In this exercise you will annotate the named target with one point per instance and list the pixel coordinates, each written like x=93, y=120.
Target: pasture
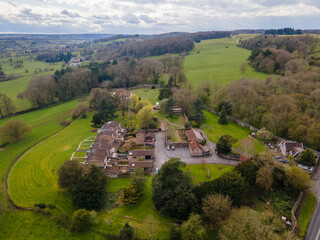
x=33, y=179
x=218, y=60
x=12, y=87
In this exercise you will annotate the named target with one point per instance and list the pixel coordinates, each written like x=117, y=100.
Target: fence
x=294, y=221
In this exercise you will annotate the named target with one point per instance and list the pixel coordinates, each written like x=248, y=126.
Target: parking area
x=162, y=155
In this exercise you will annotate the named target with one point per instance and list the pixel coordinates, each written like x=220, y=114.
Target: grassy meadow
x=219, y=61
x=215, y=130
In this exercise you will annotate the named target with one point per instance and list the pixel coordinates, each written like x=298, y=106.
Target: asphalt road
x=314, y=227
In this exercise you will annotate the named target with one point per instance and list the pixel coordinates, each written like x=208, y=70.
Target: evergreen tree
x=196, y=113
x=170, y=81
x=169, y=106
x=224, y=144
x=307, y=158
x=172, y=190
x=223, y=117
x=127, y=232
x=89, y=193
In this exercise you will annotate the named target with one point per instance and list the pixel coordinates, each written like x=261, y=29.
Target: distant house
x=290, y=148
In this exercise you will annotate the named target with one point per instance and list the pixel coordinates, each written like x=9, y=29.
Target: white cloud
x=154, y=16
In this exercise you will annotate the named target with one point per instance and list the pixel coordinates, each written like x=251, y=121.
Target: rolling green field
x=13, y=87
x=199, y=172
x=215, y=130
x=33, y=179
x=305, y=214
x=218, y=63
x=28, y=64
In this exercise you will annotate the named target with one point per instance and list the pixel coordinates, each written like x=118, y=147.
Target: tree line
x=283, y=31
x=52, y=57
x=69, y=83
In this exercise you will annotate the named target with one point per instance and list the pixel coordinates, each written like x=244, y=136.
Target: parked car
x=173, y=148
x=168, y=148
x=283, y=161
x=277, y=157
x=157, y=170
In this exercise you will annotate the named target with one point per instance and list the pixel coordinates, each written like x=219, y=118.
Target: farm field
x=199, y=172
x=219, y=61
x=215, y=130
x=12, y=87
x=33, y=179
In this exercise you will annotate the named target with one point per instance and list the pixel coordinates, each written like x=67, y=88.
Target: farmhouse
x=196, y=149
x=290, y=148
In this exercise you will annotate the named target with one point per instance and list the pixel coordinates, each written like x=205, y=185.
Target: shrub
x=80, y=221
x=127, y=232
x=40, y=205
x=63, y=220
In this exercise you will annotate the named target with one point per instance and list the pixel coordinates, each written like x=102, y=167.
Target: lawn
x=33, y=179
x=219, y=61
x=176, y=119
x=305, y=214
x=147, y=94
x=215, y=130
x=115, y=184
x=199, y=172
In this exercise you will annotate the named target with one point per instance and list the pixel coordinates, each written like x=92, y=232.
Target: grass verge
x=305, y=214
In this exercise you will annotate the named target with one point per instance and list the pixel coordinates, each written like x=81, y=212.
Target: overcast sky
x=155, y=16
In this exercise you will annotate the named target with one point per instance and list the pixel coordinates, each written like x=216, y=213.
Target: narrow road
x=314, y=227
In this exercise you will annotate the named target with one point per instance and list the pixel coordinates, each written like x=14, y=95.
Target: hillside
x=218, y=60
